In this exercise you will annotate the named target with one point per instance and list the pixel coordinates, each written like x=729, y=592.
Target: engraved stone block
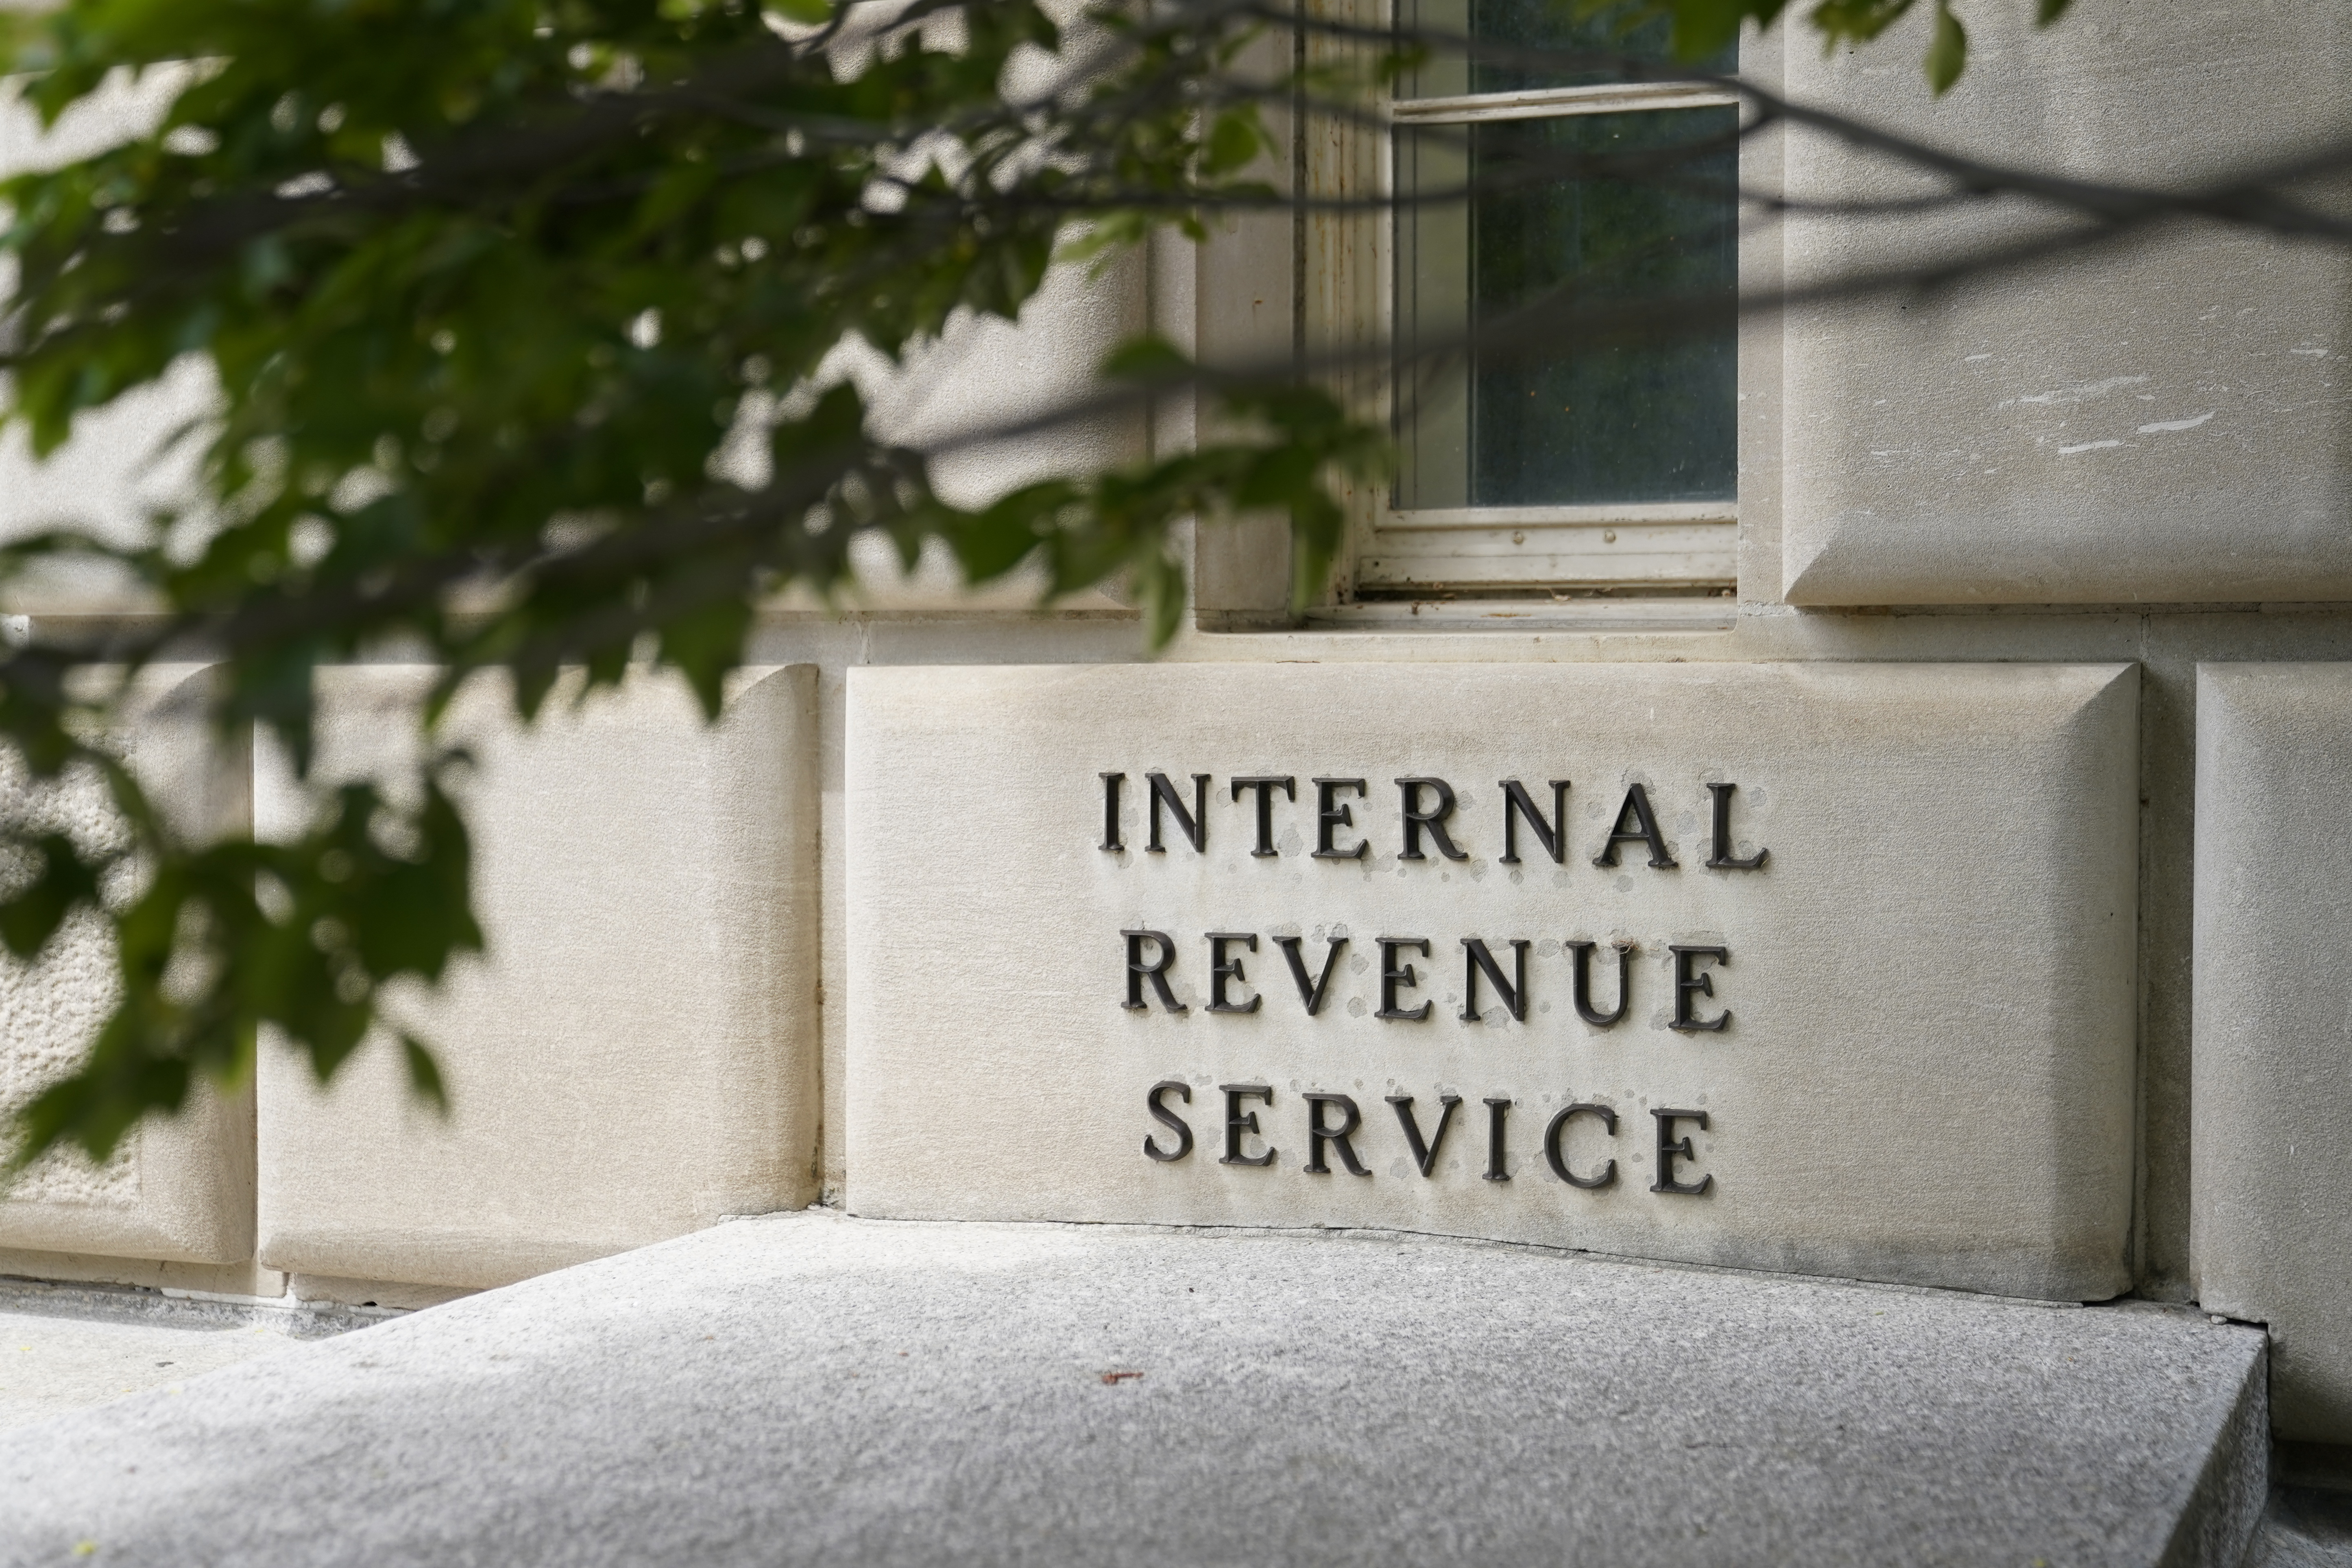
x=2270, y=1117
x=181, y=1187
x=635, y=1056
x=1874, y=927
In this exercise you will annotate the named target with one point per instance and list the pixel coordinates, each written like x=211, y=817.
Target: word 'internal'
x=1426, y=816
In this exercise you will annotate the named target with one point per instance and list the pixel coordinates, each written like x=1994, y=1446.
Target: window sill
x=1582, y=614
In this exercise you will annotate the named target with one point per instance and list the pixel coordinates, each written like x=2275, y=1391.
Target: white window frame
x=1629, y=551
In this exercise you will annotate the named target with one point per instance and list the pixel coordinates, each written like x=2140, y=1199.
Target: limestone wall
x=2037, y=995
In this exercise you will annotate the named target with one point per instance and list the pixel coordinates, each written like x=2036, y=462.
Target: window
x=1537, y=456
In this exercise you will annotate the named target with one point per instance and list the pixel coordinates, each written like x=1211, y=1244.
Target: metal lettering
x=1671, y=1149
x=1311, y=992
x=1240, y=1123
x=1644, y=830
x=1425, y=1155
x=1110, y=811
x=1431, y=820
x=1137, y=971
x=1169, y=1119
x=1194, y=824
x=1514, y=991
x=1690, y=986
x=1265, y=786
x=1330, y=816
x=1720, y=860
x=1497, y=1109
x=1582, y=988
x=1223, y=969
x=1558, y=1162
x=1318, y=1135
x=1394, y=979
x=1552, y=834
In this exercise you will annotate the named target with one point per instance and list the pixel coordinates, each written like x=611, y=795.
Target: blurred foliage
x=518, y=309
x=521, y=315
x=1702, y=27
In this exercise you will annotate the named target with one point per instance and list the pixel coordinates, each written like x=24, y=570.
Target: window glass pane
x=1531, y=419
x=1551, y=25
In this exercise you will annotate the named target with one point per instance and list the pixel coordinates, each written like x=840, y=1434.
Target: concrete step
x=808, y=1388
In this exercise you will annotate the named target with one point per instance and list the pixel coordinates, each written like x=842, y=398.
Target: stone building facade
x=1914, y=864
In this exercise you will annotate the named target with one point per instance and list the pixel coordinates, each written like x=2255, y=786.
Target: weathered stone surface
x=635, y=1056
x=2168, y=419
x=809, y=1389
x=2271, y=1132
x=1927, y=1072
x=180, y=1187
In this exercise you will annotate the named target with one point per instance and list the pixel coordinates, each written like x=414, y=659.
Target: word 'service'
x=1325, y=1138
x=1425, y=821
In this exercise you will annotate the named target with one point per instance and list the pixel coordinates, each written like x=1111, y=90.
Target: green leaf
x=1146, y=359
x=1855, y=21
x=1947, y=56
x=1702, y=27
x=1234, y=141
x=1315, y=525
x=31, y=918
x=1159, y=585
x=2047, y=12
x=424, y=1074
x=1100, y=240
x=505, y=410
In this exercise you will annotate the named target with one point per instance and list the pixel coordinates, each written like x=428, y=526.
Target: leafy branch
x=522, y=315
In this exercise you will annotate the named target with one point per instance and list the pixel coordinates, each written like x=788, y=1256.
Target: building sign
x=1425, y=820
x=1825, y=968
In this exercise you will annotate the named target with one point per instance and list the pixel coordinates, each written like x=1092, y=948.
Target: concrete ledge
x=807, y=1388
